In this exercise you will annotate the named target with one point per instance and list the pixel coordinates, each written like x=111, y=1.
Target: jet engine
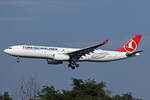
x=51, y=61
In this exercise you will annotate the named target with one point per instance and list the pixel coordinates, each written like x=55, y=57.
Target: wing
x=82, y=52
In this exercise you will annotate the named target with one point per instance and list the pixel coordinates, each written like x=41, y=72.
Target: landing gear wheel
x=18, y=59
x=73, y=67
x=73, y=64
x=77, y=65
x=69, y=65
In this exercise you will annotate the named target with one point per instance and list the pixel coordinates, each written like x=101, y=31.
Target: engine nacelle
x=62, y=57
x=51, y=61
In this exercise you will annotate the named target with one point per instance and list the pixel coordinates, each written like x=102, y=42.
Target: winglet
x=105, y=41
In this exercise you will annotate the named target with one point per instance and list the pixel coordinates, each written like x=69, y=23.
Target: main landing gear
x=73, y=64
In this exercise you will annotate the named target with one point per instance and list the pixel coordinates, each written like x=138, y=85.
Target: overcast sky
x=76, y=23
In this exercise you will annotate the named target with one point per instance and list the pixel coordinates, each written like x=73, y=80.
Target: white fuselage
x=56, y=53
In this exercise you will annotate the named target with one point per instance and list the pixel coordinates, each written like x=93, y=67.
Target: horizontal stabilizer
x=133, y=53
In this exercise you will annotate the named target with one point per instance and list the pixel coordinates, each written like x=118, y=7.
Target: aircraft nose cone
x=6, y=51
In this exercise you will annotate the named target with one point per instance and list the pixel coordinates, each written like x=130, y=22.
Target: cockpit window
x=9, y=48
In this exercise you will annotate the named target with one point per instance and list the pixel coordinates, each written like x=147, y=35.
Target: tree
x=28, y=89
x=49, y=93
x=83, y=90
x=126, y=96
x=89, y=88
x=5, y=96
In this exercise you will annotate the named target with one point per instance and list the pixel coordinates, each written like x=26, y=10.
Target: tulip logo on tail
x=130, y=46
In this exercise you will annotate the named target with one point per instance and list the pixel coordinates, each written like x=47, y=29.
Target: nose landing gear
x=18, y=59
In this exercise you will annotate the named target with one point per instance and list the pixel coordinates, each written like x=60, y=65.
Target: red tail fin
x=131, y=45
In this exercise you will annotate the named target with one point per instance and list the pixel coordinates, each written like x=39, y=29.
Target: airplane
x=57, y=55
